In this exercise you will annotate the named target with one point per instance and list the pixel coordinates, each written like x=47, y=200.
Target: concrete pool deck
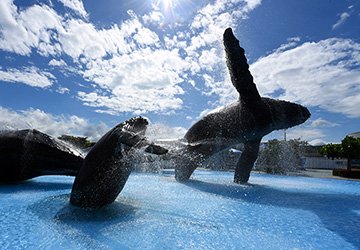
x=319, y=173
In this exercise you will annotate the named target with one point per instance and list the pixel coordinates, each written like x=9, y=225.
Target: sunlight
x=167, y=5
x=174, y=10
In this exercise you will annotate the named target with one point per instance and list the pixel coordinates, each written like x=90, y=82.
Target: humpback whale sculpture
x=245, y=121
x=100, y=176
x=25, y=154
x=108, y=164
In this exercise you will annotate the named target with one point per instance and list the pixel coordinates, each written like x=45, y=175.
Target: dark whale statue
x=109, y=163
x=245, y=121
x=25, y=154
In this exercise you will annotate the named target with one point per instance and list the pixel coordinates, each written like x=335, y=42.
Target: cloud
x=33, y=27
x=50, y=124
x=62, y=90
x=161, y=131
x=318, y=142
x=134, y=68
x=154, y=17
x=305, y=133
x=57, y=63
x=30, y=76
x=76, y=5
x=343, y=17
x=320, y=122
x=291, y=43
x=143, y=81
x=205, y=48
x=324, y=74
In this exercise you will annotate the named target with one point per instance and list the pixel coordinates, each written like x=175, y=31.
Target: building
x=355, y=135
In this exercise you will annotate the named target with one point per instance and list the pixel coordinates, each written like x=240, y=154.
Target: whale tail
x=238, y=67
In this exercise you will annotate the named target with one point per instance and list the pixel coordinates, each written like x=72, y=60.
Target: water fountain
x=208, y=211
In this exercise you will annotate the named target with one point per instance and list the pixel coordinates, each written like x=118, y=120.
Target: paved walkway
x=319, y=173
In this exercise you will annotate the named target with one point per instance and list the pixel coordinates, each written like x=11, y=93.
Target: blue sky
x=80, y=67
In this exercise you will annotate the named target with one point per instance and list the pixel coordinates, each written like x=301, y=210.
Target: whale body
x=28, y=153
x=109, y=163
x=245, y=121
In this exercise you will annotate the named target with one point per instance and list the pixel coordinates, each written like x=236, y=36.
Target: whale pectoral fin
x=246, y=161
x=132, y=139
x=156, y=149
x=238, y=67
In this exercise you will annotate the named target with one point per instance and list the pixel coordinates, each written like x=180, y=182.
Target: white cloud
x=209, y=59
x=76, y=5
x=291, y=43
x=304, y=132
x=317, y=142
x=82, y=39
x=342, y=19
x=7, y=13
x=324, y=74
x=134, y=71
x=50, y=124
x=161, y=131
x=154, y=17
x=252, y=4
x=146, y=37
x=145, y=80
x=31, y=76
x=320, y=122
x=57, y=63
x=33, y=27
x=205, y=49
x=62, y=90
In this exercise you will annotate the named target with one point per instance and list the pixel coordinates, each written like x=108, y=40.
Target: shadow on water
x=84, y=227
x=32, y=185
x=336, y=211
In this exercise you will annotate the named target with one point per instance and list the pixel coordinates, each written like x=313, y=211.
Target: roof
x=355, y=134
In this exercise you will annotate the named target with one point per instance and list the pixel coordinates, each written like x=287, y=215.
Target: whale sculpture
x=109, y=163
x=25, y=154
x=100, y=176
x=245, y=121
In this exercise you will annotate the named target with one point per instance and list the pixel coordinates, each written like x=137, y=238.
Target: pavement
x=319, y=173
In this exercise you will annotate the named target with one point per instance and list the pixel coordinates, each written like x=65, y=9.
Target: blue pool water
x=208, y=212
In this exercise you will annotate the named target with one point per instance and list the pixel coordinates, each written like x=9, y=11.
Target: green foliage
x=80, y=142
x=349, y=148
x=332, y=151
x=280, y=157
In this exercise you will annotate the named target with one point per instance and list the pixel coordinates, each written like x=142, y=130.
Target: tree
x=332, y=151
x=349, y=149
x=280, y=157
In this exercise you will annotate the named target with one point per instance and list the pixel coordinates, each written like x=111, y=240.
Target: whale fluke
x=238, y=67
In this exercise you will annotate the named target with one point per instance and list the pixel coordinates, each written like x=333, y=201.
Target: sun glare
x=167, y=5
x=169, y=2
x=174, y=10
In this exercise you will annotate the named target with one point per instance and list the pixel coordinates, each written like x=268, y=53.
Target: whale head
x=286, y=114
x=136, y=125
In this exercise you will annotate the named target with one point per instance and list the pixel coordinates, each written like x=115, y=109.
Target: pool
x=207, y=212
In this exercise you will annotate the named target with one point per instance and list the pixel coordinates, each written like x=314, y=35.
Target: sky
x=81, y=67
